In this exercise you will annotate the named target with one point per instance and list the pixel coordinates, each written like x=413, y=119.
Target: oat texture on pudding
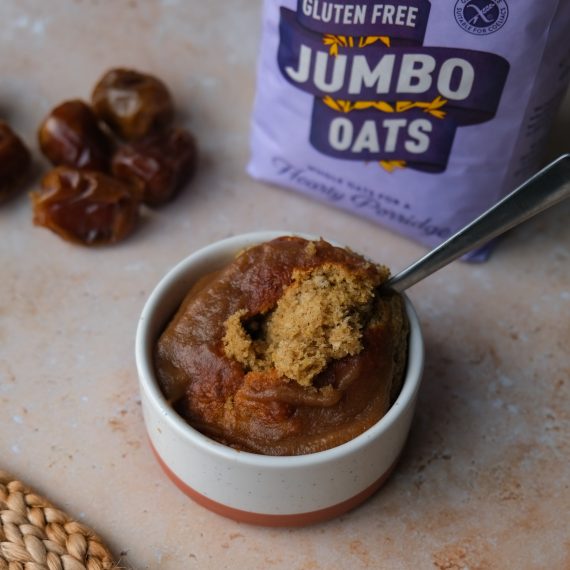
x=290, y=349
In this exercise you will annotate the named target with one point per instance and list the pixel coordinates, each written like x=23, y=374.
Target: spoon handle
x=546, y=188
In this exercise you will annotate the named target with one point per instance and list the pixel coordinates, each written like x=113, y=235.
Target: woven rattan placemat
x=36, y=535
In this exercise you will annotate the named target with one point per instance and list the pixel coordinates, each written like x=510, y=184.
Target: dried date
x=133, y=104
x=85, y=207
x=15, y=162
x=70, y=136
x=158, y=167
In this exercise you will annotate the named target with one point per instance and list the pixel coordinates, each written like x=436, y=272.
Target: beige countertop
x=484, y=480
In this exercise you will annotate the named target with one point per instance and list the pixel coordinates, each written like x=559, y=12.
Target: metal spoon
x=546, y=188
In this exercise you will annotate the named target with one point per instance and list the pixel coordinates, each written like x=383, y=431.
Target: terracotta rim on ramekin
x=300, y=519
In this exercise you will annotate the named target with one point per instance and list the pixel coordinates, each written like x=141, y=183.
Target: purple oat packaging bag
x=416, y=114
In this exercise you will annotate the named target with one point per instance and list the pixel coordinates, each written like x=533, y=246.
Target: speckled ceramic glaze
x=256, y=488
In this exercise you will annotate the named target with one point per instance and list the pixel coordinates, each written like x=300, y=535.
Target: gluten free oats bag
x=416, y=114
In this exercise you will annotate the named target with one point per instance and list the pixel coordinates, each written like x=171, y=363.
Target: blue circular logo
x=481, y=17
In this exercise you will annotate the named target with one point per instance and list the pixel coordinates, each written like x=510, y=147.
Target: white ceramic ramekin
x=259, y=489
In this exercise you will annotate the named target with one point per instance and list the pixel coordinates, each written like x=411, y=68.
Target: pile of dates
x=110, y=157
